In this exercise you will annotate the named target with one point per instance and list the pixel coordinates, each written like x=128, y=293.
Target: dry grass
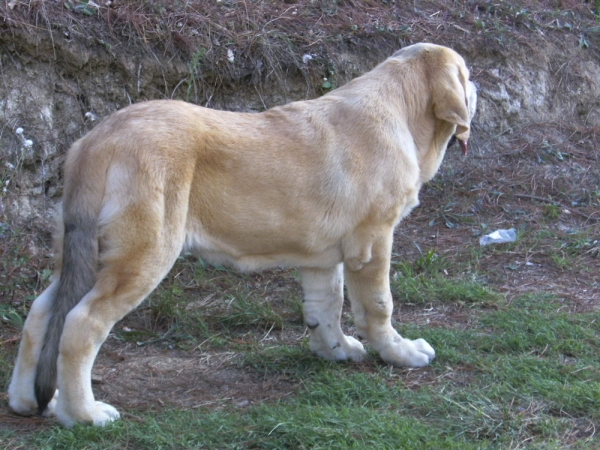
x=270, y=38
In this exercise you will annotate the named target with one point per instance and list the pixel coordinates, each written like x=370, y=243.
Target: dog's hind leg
x=367, y=268
x=323, y=299
x=139, y=250
x=21, y=396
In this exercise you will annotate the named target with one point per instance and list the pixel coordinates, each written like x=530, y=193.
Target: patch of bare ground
x=149, y=378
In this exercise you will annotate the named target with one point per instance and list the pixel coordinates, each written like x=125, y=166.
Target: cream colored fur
x=319, y=185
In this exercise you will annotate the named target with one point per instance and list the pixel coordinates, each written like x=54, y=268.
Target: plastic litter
x=499, y=237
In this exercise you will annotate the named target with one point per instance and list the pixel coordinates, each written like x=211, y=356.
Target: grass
x=524, y=374
x=425, y=280
x=512, y=397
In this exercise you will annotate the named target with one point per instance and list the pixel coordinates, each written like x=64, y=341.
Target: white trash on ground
x=499, y=237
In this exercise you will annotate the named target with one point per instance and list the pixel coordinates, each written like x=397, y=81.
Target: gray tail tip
x=43, y=397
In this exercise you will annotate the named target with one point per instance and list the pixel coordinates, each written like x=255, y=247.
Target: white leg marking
x=82, y=337
x=394, y=349
x=21, y=396
x=371, y=299
x=323, y=299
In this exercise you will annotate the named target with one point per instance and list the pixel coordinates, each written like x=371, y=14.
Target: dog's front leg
x=323, y=299
x=367, y=268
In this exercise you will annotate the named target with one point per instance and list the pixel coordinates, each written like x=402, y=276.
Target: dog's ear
x=450, y=101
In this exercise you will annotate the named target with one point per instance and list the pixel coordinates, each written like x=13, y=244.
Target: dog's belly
x=217, y=252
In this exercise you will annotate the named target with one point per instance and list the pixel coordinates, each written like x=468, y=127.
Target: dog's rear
x=76, y=257
x=122, y=227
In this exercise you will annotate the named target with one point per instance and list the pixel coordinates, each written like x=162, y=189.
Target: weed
x=10, y=316
x=561, y=262
x=194, y=67
x=552, y=211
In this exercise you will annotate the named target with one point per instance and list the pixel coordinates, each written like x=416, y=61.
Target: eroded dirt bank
x=64, y=68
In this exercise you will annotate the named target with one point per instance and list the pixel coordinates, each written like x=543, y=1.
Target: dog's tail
x=77, y=260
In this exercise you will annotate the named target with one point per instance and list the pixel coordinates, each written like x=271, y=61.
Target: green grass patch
x=524, y=374
x=208, y=303
x=527, y=372
x=425, y=280
x=292, y=425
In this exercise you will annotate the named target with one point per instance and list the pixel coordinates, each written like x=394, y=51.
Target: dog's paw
x=351, y=349
x=105, y=414
x=406, y=353
x=22, y=401
x=342, y=349
x=100, y=415
x=23, y=406
x=26, y=405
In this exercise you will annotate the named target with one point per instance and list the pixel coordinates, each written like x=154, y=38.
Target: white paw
x=22, y=406
x=26, y=404
x=341, y=350
x=100, y=415
x=105, y=414
x=352, y=349
x=406, y=353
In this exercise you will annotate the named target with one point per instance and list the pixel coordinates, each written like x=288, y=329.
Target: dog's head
x=453, y=96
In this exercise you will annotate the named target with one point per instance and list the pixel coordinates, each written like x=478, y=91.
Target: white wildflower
x=306, y=58
x=19, y=130
x=90, y=116
x=28, y=143
x=230, y=56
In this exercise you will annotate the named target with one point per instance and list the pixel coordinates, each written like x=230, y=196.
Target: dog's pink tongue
x=464, y=146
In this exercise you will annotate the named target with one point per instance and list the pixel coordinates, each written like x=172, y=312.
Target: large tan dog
x=318, y=184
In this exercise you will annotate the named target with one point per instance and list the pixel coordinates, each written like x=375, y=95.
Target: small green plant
x=552, y=211
x=429, y=262
x=194, y=67
x=10, y=316
x=85, y=7
x=166, y=305
x=561, y=262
